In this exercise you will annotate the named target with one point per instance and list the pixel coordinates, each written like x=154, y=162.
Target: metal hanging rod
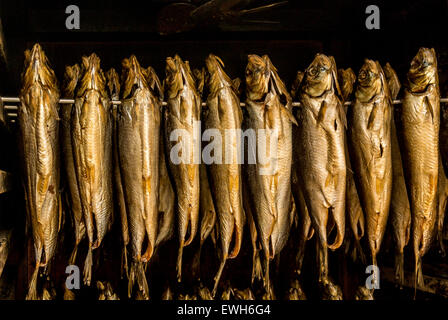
x=117, y=102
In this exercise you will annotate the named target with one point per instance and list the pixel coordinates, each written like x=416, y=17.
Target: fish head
x=177, y=75
x=370, y=81
x=216, y=77
x=423, y=70
x=113, y=84
x=92, y=76
x=37, y=69
x=71, y=77
x=133, y=77
x=257, y=77
x=320, y=76
x=154, y=82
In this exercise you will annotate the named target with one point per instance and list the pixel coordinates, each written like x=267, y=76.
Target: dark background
x=116, y=29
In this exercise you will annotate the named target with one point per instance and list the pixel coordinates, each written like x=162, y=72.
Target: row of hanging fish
x=333, y=166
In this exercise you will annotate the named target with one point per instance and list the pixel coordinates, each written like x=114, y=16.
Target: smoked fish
x=269, y=120
x=71, y=77
x=91, y=129
x=224, y=116
x=113, y=88
x=138, y=152
x=370, y=146
x=39, y=132
x=420, y=121
x=400, y=211
x=183, y=142
x=355, y=213
x=321, y=158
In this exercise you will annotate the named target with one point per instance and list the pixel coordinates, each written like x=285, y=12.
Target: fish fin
x=372, y=116
x=322, y=112
x=290, y=116
x=72, y=259
x=237, y=242
x=32, y=291
x=334, y=75
x=124, y=262
x=179, y=261
x=218, y=275
x=342, y=114
x=88, y=266
x=429, y=107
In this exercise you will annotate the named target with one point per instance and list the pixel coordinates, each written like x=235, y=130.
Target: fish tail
x=267, y=282
x=73, y=255
x=32, y=290
x=137, y=274
x=337, y=212
x=218, y=274
x=257, y=272
x=237, y=243
x=124, y=263
x=179, y=261
x=399, y=267
x=141, y=280
x=193, y=229
x=88, y=266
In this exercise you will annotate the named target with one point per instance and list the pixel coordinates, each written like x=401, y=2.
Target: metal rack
x=11, y=104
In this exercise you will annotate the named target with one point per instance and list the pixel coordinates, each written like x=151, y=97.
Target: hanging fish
x=268, y=106
x=420, y=120
x=182, y=116
x=91, y=130
x=138, y=152
x=113, y=88
x=39, y=132
x=370, y=144
x=321, y=157
x=225, y=117
x=400, y=211
x=347, y=79
x=71, y=77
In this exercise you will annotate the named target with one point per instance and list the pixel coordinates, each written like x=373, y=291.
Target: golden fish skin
x=166, y=200
x=370, y=143
x=400, y=211
x=138, y=151
x=207, y=214
x=442, y=201
x=166, y=192
x=39, y=131
x=420, y=120
x=224, y=114
x=113, y=88
x=347, y=79
x=183, y=112
x=71, y=77
x=444, y=137
x=91, y=128
x=321, y=157
x=268, y=106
